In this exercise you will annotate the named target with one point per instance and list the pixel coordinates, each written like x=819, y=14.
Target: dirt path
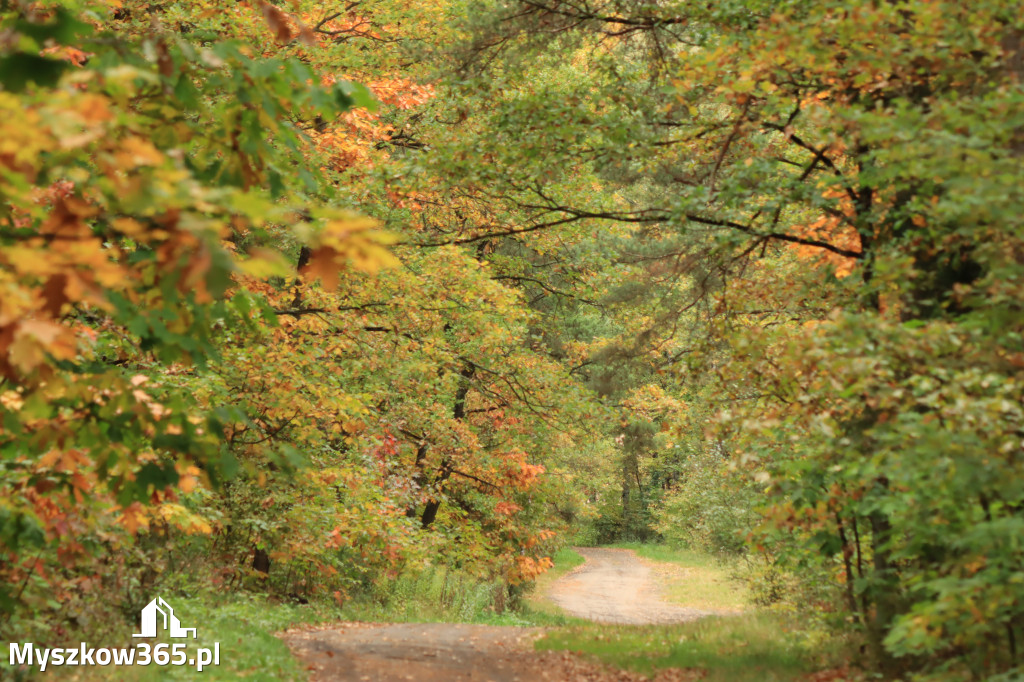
x=431, y=652
x=613, y=586
x=443, y=652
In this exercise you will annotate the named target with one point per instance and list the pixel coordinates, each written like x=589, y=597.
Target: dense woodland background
x=302, y=298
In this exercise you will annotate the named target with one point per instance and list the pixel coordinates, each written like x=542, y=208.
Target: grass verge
x=755, y=647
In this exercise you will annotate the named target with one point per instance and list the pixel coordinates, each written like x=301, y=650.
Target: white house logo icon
x=170, y=621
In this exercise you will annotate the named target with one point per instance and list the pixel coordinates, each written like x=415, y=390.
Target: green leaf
x=64, y=29
x=20, y=69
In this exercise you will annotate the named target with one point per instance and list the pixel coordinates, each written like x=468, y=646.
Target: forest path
x=439, y=652
x=613, y=586
x=431, y=652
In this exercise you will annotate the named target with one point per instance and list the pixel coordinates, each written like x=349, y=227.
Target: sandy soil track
x=614, y=586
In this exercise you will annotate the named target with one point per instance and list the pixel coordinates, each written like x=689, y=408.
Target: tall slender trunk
x=885, y=588
x=419, y=477
x=458, y=413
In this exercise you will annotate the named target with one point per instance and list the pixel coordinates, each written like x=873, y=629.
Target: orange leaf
x=278, y=22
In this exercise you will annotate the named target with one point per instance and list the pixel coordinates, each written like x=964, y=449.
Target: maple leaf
x=134, y=518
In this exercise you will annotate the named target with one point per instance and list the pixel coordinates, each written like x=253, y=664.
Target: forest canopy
x=300, y=297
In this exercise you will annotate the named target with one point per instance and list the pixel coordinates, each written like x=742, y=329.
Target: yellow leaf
x=263, y=263
x=34, y=338
x=136, y=151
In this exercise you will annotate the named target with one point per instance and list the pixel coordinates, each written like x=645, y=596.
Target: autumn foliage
x=200, y=374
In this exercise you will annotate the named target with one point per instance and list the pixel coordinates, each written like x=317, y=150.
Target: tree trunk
x=261, y=561
x=419, y=477
x=458, y=413
x=885, y=591
x=430, y=513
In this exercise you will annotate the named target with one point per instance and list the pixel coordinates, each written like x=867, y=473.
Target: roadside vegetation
x=754, y=647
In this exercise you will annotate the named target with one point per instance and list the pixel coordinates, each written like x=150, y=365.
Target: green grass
x=434, y=594
x=695, y=579
x=535, y=610
x=759, y=647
